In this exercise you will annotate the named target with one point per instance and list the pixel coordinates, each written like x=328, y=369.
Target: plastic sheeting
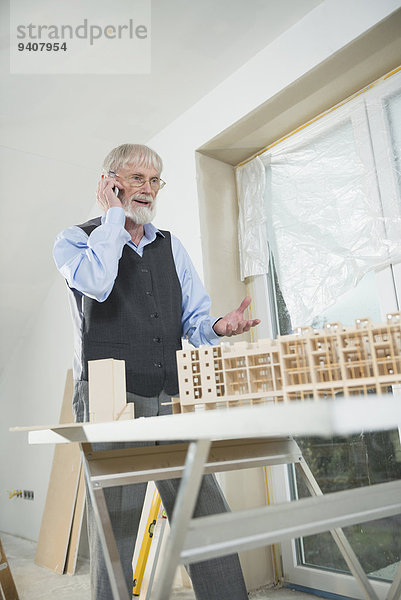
x=252, y=232
x=316, y=199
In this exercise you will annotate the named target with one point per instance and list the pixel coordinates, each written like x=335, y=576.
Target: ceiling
x=195, y=45
x=76, y=119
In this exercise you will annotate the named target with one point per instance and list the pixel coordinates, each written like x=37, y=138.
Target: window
x=320, y=212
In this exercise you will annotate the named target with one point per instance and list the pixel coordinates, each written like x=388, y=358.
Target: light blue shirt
x=90, y=266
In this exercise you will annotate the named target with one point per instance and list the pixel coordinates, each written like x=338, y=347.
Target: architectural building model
x=308, y=364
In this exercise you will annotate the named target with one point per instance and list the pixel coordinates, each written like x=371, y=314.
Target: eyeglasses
x=137, y=181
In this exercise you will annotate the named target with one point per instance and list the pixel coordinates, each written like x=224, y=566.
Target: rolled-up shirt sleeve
x=90, y=263
x=197, y=324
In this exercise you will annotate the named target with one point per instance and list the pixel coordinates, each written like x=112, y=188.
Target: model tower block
x=310, y=363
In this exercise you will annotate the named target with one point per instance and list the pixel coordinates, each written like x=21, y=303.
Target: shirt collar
x=151, y=231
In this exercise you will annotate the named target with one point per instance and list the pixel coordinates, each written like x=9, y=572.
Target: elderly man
x=134, y=294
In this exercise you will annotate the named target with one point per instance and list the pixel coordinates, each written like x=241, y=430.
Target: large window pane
x=345, y=463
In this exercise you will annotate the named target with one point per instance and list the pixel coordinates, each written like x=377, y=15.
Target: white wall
x=32, y=389
x=32, y=384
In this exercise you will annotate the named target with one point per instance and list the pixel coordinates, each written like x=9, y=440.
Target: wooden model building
x=308, y=364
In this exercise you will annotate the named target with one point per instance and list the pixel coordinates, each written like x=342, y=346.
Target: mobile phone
x=116, y=190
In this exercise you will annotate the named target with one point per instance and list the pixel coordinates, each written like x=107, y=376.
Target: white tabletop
x=341, y=416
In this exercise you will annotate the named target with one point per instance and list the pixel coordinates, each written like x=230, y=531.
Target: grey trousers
x=217, y=579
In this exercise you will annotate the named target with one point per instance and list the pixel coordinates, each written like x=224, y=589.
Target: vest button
x=157, y=340
x=148, y=293
x=158, y=364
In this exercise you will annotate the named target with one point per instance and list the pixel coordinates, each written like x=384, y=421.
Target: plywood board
x=73, y=546
x=7, y=585
x=62, y=519
x=55, y=530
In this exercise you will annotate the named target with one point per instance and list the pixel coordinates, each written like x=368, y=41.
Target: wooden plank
x=131, y=465
x=55, y=530
x=72, y=552
x=7, y=585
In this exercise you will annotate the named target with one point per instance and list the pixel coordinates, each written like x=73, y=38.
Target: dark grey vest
x=140, y=322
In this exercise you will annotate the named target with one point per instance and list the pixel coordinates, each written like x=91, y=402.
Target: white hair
x=140, y=155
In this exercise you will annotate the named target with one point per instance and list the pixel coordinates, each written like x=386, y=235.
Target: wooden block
x=7, y=585
x=54, y=535
x=127, y=413
x=176, y=406
x=107, y=389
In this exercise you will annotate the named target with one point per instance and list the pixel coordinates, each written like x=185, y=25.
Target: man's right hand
x=105, y=195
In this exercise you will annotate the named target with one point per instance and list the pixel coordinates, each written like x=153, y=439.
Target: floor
x=38, y=583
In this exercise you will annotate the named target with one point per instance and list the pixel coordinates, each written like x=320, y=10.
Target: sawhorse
x=194, y=540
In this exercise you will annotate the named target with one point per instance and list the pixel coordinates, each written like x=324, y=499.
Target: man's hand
x=234, y=323
x=105, y=195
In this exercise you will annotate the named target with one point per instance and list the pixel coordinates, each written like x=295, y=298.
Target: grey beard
x=140, y=214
